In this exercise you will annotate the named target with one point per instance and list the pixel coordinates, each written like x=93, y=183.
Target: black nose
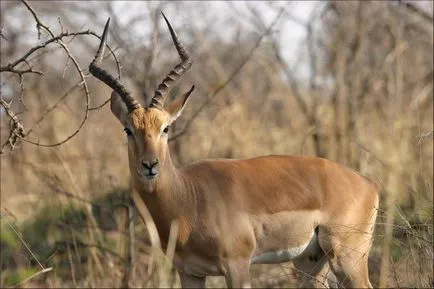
x=149, y=165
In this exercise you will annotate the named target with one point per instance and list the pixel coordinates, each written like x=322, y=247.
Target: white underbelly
x=287, y=254
x=279, y=256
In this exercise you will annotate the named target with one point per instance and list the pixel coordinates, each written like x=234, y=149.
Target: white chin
x=150, y=178
x=146, y=178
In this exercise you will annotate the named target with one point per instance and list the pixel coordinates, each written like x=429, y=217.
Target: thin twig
x=24, y=243
x=33, y=276
x=214, y=93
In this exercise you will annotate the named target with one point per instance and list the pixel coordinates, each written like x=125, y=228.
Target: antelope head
x=147, y=128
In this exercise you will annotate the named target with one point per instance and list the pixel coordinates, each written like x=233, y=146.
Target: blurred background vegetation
x=357, y=89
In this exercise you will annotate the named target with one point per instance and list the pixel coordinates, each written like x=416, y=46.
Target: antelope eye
x=166, y=129
x=128, y=131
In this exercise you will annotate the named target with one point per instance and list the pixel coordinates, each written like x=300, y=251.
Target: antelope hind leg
x=314, y=274
x=237, y=274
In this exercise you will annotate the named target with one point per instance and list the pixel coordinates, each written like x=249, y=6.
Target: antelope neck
x=170, y=196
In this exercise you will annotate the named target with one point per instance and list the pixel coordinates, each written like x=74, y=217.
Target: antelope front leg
x=237, y=274
x=190, y=281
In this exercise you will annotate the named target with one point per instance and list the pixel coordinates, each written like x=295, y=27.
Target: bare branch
x=57, y=38
x=16, y=127
x=19, y=71
x=39, y=23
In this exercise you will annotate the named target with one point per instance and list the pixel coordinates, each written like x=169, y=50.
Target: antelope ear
x=118, y=107
x=175, y=107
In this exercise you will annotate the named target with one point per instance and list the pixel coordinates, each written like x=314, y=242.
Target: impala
x=234, y=213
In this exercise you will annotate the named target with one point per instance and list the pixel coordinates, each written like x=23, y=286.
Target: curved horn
x=176, y=73
x=107, y=78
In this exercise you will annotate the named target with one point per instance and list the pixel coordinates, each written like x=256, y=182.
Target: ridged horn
x=104, y=76
x=175, y=74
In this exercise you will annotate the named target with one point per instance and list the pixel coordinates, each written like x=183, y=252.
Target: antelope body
x=234, y=213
